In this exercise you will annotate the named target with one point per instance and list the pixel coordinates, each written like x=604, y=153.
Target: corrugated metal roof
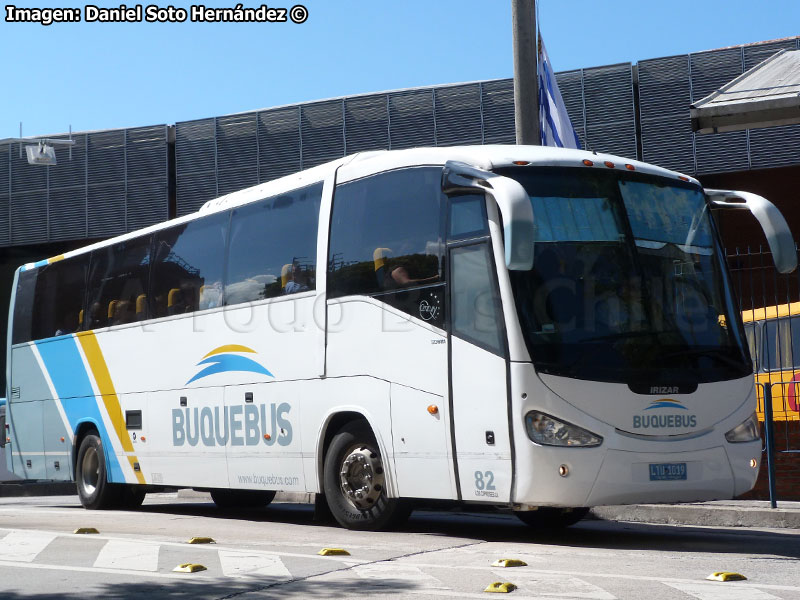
x=765, y=96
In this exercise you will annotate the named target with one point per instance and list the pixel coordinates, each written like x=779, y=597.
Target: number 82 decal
x=484, y=480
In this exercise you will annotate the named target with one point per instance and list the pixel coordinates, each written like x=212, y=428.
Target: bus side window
x=476, y=314
x=778, y=345
x=273, y=246
x=386, y=233
x=188, y=259
x=23, y=307
x=117, y=277
x=60, y=289
x=795, y=341
x=751, y=331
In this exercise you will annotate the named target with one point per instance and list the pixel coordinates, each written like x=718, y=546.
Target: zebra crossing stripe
x=384, y=571
x=243, y=564
x=24, y=546
x=131, y=555
x=722, y=591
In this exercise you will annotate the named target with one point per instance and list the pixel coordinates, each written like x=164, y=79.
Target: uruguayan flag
x=554, y=124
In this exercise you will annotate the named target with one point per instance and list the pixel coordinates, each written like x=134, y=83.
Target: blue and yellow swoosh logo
x=666, y=403
x=229, y=358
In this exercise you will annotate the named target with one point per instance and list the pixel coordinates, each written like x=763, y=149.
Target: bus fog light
x=753, y=463
x=746, y=431
x=549, y=431
x=563, y=470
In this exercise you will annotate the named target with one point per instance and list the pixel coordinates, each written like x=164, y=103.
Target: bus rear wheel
x=547, y=518
x=242, y=498
x=94, y=490
x=354, y=482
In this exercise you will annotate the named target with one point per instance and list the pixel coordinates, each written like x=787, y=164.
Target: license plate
x=668, y=472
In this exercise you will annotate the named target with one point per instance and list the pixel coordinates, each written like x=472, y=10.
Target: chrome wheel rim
x=361, y=477
x=90, y=471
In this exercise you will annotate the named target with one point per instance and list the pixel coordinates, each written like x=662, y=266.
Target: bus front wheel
x=354, y=482
x=94, y=490
x=549, y=518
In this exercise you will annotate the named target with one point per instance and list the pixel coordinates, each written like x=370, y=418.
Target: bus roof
x=354, y=166
x=771, y=312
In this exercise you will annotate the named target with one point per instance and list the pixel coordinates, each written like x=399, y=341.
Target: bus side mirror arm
x=777, y=231
x=512, y=201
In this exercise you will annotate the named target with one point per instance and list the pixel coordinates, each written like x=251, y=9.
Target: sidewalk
x=718, y=513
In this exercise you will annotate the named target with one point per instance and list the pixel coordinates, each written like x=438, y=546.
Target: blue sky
x=101, y=75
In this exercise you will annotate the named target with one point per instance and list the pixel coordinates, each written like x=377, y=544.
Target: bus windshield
x=628, y=283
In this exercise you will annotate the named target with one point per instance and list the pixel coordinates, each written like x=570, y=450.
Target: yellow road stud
x=509, y=562
x=333, y=552
x=86, y=530
x=189, y=568
x=726, y=576
x=500, y=588
x=201, y=540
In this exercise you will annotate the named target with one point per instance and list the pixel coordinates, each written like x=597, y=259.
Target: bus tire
x=94, y=490
x=549, y=518
x=131, y=496
x=354, y=482
x=242, y=498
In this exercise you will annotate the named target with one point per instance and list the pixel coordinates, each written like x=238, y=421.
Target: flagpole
x=526, y=89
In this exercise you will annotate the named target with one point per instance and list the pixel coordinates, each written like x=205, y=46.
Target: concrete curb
x=703, y=515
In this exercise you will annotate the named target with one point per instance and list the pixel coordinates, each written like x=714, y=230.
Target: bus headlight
x=549, y=431
x=747, y=431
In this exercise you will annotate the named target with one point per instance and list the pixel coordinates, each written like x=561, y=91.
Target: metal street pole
x=526, y=90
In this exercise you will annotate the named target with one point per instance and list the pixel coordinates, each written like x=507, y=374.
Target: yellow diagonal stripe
x=50, y=261
x=229, y=348
x=99, y=368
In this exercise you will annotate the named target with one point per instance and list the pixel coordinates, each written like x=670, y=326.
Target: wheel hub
x=90, y=471
x=361, y=477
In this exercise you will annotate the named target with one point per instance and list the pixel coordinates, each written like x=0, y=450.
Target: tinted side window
x=188, y=266
x=60, y=290
x=273, y=246
x=386, y=233
x=475, y=299
x=23, y=307
x=118, y=284
x=467, y=217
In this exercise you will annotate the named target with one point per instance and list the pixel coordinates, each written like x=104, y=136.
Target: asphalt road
x=272, y=553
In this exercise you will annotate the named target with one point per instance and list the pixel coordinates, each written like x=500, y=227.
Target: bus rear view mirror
x=776, y=230
x=512, y=201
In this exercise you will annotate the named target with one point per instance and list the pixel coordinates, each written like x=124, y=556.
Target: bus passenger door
x=479, y=380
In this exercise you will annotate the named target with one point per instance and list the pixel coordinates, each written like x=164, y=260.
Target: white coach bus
x=538, y=329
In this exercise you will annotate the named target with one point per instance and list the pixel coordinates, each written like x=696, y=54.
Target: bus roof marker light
x=683, y=178
x=433, y=409
x=630, y=167
x=521, y=163
x=609, y=164
x=587, y=162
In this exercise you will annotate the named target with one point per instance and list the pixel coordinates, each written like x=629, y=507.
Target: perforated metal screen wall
x=116, y=181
